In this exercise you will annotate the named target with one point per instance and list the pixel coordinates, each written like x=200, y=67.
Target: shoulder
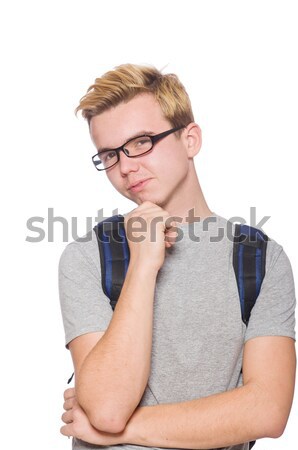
x=278, y=265
x=274, y=249
x=83, y=252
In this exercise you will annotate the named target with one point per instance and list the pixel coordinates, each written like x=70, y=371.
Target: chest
x=197, y=328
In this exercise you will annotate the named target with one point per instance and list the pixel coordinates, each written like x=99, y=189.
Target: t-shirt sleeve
x=84, y=306
x=274, y=311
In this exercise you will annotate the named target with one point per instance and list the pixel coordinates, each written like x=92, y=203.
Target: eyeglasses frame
x=154, y=139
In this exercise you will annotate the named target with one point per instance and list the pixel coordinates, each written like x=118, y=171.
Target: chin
x=142, y=197
x=154, y=197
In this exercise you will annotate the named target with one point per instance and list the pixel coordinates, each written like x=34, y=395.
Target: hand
x=77, y=424
x=150, y=230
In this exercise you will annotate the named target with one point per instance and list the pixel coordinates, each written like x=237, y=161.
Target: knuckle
x=65, y=417
x=68, y=404
x=76, y=413
x=68, y=393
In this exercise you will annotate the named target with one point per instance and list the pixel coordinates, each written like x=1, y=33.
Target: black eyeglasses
x=135, y=147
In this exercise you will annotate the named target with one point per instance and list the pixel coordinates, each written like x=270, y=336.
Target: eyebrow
x=138, y=134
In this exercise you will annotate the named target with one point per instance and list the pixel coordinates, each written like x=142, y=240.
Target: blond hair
x=126, y=81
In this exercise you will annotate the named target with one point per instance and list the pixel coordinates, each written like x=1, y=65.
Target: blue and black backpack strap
x=114, y=255
x=249, y=261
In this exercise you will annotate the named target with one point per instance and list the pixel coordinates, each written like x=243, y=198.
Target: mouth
x=136, y=187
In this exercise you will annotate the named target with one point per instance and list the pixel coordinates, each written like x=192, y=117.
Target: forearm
x=221, y=420
x=114, y=375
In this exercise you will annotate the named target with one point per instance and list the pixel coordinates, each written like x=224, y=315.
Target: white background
x=238, y=61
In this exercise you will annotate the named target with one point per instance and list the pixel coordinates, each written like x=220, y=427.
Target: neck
x=189, y=202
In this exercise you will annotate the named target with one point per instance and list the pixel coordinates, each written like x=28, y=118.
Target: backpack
x=249, y=261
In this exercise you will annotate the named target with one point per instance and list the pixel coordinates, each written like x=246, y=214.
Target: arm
x=111, y=379
x=108, y=386
x=260, y=408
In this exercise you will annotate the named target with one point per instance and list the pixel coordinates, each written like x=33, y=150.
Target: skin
x=102, y=409
x=107, y=385
x=174, y=185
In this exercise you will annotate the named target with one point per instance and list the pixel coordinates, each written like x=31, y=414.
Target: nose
x=127, y=164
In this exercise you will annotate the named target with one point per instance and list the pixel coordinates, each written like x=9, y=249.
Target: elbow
x=105, y=414
x=106, y=422
x=276, y=422
x=270, y=416
x=107, y=418
x=276, y=427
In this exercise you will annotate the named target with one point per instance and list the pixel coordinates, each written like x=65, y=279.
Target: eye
x=107, y=156
x=142, y=141
x=139, y=144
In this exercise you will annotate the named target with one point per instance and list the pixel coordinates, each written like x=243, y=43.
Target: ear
x=193, y=139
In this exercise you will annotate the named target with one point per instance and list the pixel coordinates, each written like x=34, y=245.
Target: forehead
x=117, y=125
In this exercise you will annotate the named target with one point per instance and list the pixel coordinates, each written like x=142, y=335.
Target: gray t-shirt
x=198, y=334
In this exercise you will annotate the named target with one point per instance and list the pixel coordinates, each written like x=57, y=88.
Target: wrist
x=143, y=267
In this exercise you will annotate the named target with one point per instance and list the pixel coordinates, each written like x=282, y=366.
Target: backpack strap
x=114, y=255
x=249, y=262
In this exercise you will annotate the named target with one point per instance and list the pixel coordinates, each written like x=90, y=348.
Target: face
x=157, y=176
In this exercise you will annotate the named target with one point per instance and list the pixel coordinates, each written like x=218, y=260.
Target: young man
x=174, y=365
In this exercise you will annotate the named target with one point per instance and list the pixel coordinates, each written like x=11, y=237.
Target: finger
x=69, y=403
x=67, y=417
x=171, y=233
x=69, y=393
x=169, y=244
x=141, y=207
x=170, y=240
x=146, y=204
x=66, y=430
x=170, y=222
x=146, y=207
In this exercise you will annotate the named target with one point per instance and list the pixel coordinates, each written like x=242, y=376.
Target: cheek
x=114, y=180
x=174, y=163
